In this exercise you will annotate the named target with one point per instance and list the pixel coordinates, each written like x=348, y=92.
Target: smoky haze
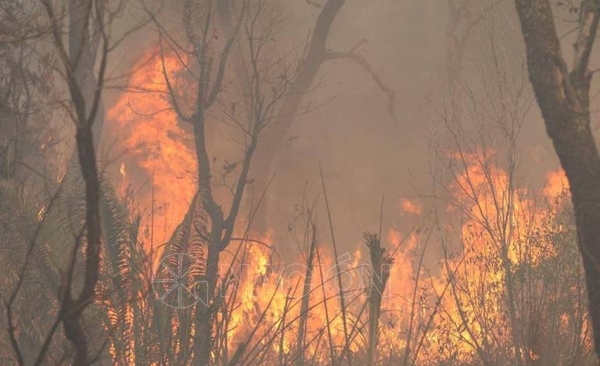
x=365, y=152
x=191, y=205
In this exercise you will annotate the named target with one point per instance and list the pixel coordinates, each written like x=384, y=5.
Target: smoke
x=366, y=155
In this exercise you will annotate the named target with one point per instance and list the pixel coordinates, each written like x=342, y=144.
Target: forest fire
x=503, y=237
x=455, y=312
x=210, y=205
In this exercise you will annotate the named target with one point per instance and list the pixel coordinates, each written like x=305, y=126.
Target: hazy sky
x=363, y=151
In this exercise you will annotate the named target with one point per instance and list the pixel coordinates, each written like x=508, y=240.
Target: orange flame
x=157, y=153
x=496, y=232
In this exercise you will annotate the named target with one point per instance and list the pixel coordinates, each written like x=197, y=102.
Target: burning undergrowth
x=503, y=289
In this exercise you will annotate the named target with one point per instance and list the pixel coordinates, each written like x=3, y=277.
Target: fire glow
x=453, y=311
x=158, y=161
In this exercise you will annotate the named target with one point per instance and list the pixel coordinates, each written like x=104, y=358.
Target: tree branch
x=588, y=27
x=362, y=62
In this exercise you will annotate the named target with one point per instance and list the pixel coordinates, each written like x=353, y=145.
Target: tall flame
x=460, y=307
x=153, y=147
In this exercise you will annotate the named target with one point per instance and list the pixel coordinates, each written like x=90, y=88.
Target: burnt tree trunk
x=78, y=60
x=563, y=97
x=83, y=88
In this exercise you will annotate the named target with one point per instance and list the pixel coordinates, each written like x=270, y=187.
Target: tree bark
x=563, y=98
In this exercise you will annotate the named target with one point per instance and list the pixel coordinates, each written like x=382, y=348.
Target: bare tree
x=563, y=97
x=75, y=62
x=502, y=229
x=268, y=80
x=310, y=62
x=78, y=59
